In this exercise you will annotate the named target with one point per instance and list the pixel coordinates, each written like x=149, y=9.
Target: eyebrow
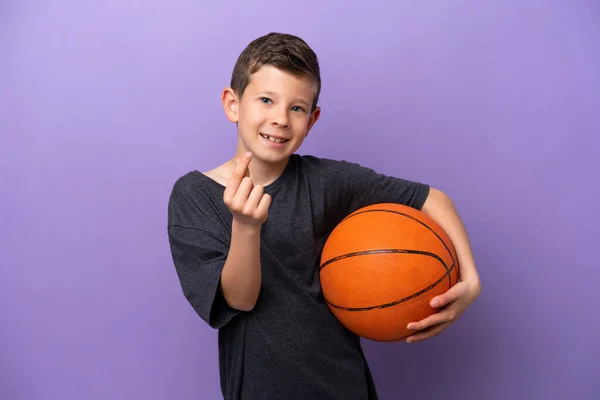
x=297, y=100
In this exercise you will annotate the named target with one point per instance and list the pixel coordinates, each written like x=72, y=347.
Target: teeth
x=272, y=139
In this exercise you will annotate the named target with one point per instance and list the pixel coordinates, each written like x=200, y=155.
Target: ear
x=314, y=116
x=230, y=104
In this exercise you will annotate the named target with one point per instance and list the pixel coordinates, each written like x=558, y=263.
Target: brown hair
x=281, y=50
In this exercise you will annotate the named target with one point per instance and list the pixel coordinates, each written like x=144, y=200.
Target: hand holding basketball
x=247, y=202
x=452, y=305
x=382, y=266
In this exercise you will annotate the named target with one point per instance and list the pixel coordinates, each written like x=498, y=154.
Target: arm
x=457, y=299
x=241, y=276
x=441, y=208
x=249, y=205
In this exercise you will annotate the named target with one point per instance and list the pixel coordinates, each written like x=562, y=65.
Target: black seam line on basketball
x=408, y=216
x=393, y=303
x=414, y=219
x=383, y=251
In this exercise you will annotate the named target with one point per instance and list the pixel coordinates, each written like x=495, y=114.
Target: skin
x=278, y=103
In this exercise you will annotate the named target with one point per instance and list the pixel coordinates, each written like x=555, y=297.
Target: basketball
x=382, y=265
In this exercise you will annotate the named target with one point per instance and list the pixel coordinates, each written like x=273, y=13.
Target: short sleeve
x=364, y=186
x=199, y=252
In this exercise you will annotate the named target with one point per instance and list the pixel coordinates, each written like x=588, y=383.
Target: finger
x=444, y=299
x=425, y=323
x=239, y=172
x=241, y=195
x=254, y=197
x=427, y=334
x=263, y=205
x=434, y=319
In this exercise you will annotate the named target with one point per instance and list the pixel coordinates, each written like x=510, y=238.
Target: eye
x=265, y=100
x=297, y=109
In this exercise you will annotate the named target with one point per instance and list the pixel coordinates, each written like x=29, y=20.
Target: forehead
x=271, y=79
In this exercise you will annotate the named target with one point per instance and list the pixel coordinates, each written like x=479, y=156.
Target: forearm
x=241, y=275
x=441, y=208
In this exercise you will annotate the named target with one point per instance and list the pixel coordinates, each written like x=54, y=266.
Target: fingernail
x=248, y=154
x=435, y=303
x=237, y=160
x=411, y=326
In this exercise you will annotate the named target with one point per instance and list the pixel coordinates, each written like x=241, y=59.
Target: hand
x=452, y=305
x=247, y=202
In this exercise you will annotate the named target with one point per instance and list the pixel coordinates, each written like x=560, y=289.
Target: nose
x=280, y=118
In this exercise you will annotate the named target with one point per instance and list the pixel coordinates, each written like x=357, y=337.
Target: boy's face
x=273, y=115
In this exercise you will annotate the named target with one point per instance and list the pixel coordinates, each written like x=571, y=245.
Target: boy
x=246, y=238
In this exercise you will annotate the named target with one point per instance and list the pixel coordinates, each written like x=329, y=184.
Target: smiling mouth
x=274, y=140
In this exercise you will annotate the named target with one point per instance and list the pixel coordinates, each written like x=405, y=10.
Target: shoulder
x=220, y=174
x=324, y=165
x=185, y=189
x=331, y=173
x=193, y=195
x=189, y=183
x=195, y=180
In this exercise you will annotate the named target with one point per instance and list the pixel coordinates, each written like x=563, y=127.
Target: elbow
x=237, y=295
x=246, y=305
x=242, y=303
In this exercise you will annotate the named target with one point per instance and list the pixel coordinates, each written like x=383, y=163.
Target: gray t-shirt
x=290, y=346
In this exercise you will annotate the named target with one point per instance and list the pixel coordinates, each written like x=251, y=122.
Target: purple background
x=103, y=105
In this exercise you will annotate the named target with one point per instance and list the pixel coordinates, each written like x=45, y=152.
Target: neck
x=266, y=173
x=262, y=173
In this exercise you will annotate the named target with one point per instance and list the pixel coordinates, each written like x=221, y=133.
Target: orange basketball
x=382, y=265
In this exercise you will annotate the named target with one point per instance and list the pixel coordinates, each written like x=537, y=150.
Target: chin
x=272, y=158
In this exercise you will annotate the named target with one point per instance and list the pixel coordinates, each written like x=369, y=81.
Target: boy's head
x=283, y=51
x=273, y=96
